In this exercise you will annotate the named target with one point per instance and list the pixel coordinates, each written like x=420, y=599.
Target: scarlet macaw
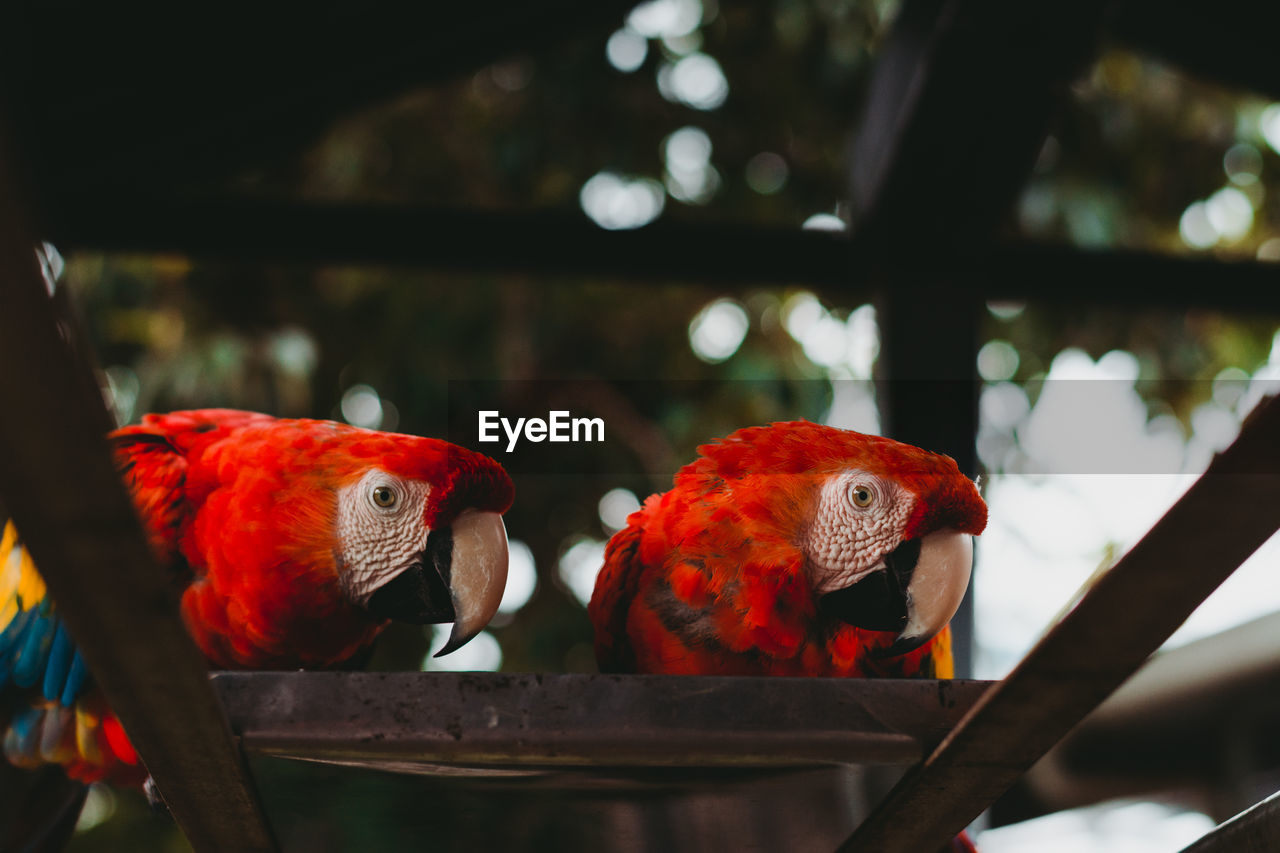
x=793, y=549
x=294, y=542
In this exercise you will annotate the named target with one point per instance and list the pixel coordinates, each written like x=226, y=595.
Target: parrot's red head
x=884, y=528
x=420, y=532
x=305, y=524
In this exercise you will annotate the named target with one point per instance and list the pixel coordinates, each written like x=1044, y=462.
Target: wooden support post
x=928, y=394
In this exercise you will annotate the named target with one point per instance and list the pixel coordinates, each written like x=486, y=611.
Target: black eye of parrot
x=384, y=497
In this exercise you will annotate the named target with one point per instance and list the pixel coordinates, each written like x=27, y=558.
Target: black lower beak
x=879, y=601
x=420, y=594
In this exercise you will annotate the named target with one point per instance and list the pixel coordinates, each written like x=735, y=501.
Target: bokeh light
x=1225, y=215
x=615, y=506
x=824, y=222
x=1006, y=310
x=579, y=566
x=482, y=654
x=690, y=177
x=361, y=406
x=617, y=202
x=665, y=18
x=1243, y=164
x=800, y=313
x=1196, y=229
x=522, y=577
x=853, y=406
x=626, y=50
x=1269, y=126
x=294, y=352
x=849, y=347
x=997, y=361
x=99, y=806
x=863, y=334
x=1230, y=212
x=717, y=331
x=1230, y=386
x=767, y=173
x=696, y=81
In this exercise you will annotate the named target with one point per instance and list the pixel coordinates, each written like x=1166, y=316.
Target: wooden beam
x=1255, y=830
x=488, y=719
x=463, y=239
x=559, y=243
x=1125, y=278
x=58, y=482
x=1116, y=625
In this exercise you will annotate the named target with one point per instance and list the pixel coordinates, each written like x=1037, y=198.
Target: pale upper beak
x=478, y=576
x=937, y=586
x=459, y=578
x=914, y=595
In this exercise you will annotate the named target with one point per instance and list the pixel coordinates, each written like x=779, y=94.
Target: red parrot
x=293, y=543
x=793, y=549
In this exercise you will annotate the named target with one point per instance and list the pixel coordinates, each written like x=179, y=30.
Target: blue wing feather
x=76, y=682
x=35, y=646
x=34, y=653
x=58, y=667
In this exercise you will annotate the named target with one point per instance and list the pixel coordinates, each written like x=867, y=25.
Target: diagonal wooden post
x=1254, y=830
x=58, y=481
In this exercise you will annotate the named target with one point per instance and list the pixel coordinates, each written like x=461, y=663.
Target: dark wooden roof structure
x=944, y=65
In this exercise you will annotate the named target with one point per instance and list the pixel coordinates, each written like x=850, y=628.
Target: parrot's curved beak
x=915, y=595
x=478, y=575
x=460, y=579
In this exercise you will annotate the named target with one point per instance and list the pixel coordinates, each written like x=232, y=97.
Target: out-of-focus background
x=1092, y=420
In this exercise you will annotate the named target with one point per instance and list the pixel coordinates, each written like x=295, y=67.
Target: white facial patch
x=381, y=531
x=860, y=519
